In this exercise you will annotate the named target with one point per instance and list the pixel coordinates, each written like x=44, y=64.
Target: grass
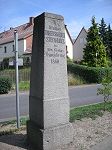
x=90, y=111
x=24, y=77
x=9, y=131
x=24, y=85
x=72, y=80
x=75, y=80
x=22, y=122
x=77, y=113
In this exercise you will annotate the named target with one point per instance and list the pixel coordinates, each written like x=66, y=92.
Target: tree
x=106, y=89
x=109, y=41
x=103, y=31
x=94, y=52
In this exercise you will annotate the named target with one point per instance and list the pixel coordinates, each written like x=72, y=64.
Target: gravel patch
x=87, y=133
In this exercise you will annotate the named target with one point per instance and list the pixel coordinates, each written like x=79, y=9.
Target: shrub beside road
x=5, y=85
x=90, y=74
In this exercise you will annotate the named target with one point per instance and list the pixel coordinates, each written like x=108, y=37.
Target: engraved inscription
x=53, y=33
x=54, y=28
x=55, y=40
x=55, y=36
x=54, y=55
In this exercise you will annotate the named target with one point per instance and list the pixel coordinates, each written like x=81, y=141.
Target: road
x=79, y=95
x=84, y=95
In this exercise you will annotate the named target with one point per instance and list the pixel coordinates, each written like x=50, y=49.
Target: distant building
x=69, y=43
x=79, y=44
x=25, y=34
x=24, y=40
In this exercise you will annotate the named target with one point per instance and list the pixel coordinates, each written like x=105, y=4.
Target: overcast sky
x=77, y=13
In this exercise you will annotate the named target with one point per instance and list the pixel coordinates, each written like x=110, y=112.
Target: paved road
x=79, y=95
x=84, y=95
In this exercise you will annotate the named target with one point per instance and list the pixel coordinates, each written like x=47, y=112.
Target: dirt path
x=87, y=133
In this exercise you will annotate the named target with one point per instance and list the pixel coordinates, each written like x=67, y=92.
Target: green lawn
x=90, y=111
x=24, y=85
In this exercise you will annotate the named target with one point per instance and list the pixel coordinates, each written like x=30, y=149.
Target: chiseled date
x=54, y=61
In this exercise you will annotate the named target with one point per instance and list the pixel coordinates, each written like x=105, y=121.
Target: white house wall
x=9, y=49
x=22, y=47
x=69, y=45
x=79, y=45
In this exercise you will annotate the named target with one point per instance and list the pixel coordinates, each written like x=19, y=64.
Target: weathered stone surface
x=50, y=138
x=49, y=102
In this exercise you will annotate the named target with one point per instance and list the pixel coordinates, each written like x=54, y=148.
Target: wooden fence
x=24, y=74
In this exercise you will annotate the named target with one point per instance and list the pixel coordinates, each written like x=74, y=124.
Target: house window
x=5, y=49
x=13, y=48
x=66, y=50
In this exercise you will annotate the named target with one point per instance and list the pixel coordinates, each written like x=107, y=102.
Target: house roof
x=24, y=31
x=80, y=33
x=68, y=33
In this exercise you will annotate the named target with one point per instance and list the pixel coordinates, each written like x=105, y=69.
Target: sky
x=76, y=13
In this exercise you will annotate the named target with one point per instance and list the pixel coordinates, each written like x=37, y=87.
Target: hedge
x=90, y=74
x=5, y=85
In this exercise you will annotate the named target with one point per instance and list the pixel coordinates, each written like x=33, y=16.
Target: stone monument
x=49, y=127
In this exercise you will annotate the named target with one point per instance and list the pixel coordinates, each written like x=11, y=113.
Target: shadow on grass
x=18, y=140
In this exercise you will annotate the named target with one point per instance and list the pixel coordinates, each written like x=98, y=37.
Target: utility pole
x=17, y=78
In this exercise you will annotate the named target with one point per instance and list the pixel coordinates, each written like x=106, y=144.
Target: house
x=24, y=40
x=69, y=43
x=25, y=34
x=79, y=44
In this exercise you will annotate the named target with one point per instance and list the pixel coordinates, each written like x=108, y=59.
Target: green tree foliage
x=109, y=41
x=94, y=52
x=103, y=31
x=106, y=89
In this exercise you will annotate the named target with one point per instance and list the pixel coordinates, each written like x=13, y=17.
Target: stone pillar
x=49, y=127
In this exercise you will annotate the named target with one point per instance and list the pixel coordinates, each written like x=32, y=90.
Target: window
x=13, y=48
x=5, y=49
x=66, y=50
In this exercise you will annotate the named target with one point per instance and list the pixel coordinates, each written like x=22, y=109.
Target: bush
x=5, y=85
x=90, y=74
x=26, y=61
x=4, y=64
x=75, y=80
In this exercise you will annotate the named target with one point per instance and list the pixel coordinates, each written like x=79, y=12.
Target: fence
x=24, y=74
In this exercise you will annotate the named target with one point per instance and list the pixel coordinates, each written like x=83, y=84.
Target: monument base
x=51, y=138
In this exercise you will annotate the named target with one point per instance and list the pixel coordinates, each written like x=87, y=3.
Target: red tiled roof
x=23, y=31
